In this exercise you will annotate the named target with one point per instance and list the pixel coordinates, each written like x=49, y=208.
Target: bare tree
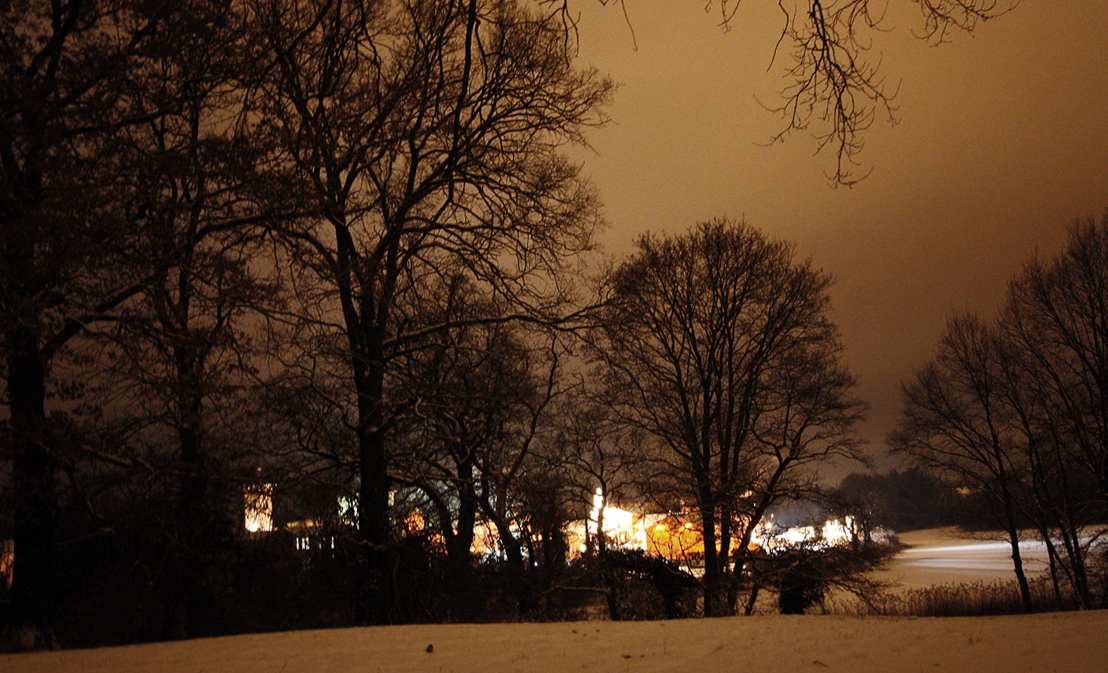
x=68, y=247
x=956, y=420
x=1060, y=320
x=469, y=389
x=172, y=364
x=716, y=344
x=1056, y=323
x=481, y=397
x=805, y=418
x=1016, y=409
x=602, y=456
x=427, y=135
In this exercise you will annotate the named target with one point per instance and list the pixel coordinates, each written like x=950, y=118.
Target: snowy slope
x=1053, y=642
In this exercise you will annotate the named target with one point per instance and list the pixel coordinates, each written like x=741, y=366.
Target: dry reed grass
x=954, y=600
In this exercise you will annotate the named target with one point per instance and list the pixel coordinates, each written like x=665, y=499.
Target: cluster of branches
x=836, y=87
x=829, y=49
x=1013, y=409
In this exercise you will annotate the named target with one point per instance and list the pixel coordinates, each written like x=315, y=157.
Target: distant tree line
x=901, y=501
x=1014, y=410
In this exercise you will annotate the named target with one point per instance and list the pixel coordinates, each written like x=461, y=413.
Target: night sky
x=1001, y=141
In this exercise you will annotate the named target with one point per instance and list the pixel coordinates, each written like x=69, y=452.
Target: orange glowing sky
x=1001, y=141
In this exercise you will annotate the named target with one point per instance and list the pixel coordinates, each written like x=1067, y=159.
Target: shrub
x=803, y=576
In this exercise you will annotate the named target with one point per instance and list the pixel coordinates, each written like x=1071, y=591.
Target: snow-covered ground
x=1051, y=642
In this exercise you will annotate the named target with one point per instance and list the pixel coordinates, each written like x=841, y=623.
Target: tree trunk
x=611, y=592
x=713, y=585
x=187, y=584
x=729, y=582
x=752, y=599
x=516, y=566
x=374, y=534
x=1021, y=576
x=33, y=486
x=601, y=539
x=458, y=550
x=461, y=545
x=1017, y=558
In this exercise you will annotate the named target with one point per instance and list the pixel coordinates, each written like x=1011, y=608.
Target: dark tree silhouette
x=717, y=345
x=479, y=399
x=426, y=136
x=1015, y=409
x=1056, y=328
x=955, y=420
x=70, y=253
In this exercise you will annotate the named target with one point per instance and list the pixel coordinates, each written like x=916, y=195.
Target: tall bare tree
x=68, y=249
x=1016, y=408
x=473, y=391
x=1056, y=324
x=957, y=420
x=717, y=344
x=427, y=135
x=194, y=190
x=602, y=456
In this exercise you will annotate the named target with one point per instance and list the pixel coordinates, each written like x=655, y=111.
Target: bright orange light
x=258, y=500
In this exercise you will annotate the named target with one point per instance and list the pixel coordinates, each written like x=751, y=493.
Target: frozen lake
x=946, y=555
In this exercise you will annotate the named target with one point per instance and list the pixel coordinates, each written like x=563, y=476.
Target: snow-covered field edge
x=1074, y=641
